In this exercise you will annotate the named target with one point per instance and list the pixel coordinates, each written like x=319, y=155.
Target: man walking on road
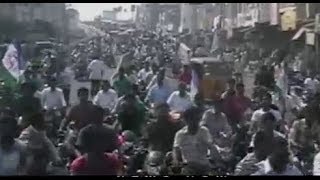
x=96, y=69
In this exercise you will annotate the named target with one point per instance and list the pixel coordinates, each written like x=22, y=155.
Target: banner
x=310, y=38
x=288, y=20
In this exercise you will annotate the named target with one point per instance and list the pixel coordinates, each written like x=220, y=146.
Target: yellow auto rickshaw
x=213, y=75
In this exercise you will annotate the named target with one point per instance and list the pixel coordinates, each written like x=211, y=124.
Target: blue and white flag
x=13, y=60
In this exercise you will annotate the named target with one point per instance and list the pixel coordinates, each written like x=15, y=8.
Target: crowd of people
x=142, y=104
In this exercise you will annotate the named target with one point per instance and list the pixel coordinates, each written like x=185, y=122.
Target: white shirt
x=143, y=74
x=179, y=104
x=52, y=99
x=106, y=100
x=194, y=148
x=96, y=68
x=311, y=84
x=256, y=116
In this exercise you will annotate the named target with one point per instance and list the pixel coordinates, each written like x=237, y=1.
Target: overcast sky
x=89, y=10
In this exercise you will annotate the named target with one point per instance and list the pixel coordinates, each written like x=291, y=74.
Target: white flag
x=10, y=61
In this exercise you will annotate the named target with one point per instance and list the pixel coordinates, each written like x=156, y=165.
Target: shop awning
x=306, y=28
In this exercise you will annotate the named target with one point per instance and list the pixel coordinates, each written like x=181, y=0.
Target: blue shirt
x=158, y=94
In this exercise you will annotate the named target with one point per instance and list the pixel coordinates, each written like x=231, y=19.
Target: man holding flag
x=12, y=68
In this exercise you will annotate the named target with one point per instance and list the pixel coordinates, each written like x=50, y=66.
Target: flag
x=13, y=61
x=13, y=65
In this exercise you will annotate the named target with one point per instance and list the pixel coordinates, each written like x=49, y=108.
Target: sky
x=90, y=10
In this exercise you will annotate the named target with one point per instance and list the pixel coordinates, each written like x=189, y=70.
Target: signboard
x=288, y=20
x=310, y=38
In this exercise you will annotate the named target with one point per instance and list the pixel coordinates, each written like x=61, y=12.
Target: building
x=28, y=13
x=73, y=19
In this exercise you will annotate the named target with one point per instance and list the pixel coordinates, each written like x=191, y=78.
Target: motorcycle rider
x=191, y=145
x=13, y=152
x=52, y=96
x=262, y=147
x=80, y=114
x=106, y=98
x=110, y=138
x=301, y=141
x=121, y=84
x=238, y=107
x=158, y=93
x=267, y=125
x=144, y=73
x=216, y=122
x=131, y=113
x=266, y=107
x=97, y=159
x=41, y=149
x=157, y=141
x=180, y=100
x=170, y=83
x=278, y=162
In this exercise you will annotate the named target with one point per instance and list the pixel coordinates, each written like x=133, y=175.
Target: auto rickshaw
x=213, y=75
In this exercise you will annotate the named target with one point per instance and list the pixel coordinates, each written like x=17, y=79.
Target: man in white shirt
x=266, y=107
x=144, y=73
x=52, y=97
x=180, y=101
x=96, y=69
x=106, y=98
x=311, y=84
x=191, y=145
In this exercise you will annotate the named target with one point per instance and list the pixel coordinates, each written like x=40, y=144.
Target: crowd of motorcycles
x=134, y=151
